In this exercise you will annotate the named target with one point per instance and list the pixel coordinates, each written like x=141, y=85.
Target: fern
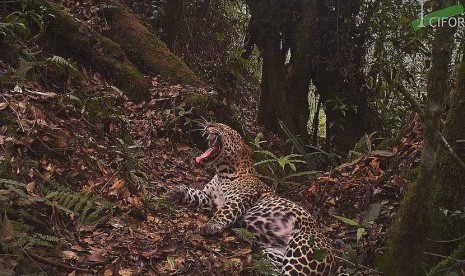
x=64, y=64
x=263, y=265
x=244, y=235
x=88, y=208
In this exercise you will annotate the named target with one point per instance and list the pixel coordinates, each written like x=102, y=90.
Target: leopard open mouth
x=214, y=149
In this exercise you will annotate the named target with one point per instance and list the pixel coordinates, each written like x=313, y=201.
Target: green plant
x=258, y=141
x=371, y=215
x=289, y=160
x=20, y=23
x=89, y=209
x=339, y=105
x=313, y=158
x=244, y=235
x=262, y=265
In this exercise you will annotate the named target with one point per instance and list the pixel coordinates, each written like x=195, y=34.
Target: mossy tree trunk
x=449, y=181
x=129, y=50
x=144, y=49
x=72, y=38
x=408, y=236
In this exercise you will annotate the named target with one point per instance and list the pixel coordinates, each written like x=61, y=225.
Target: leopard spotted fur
x=288, y=234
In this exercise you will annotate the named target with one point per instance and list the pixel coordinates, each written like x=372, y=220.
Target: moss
x=89, y=47
x=411, y=175
x=449, y=263
x=146, y=51
x=195, y=98
x=448, y=186
x=407, y=229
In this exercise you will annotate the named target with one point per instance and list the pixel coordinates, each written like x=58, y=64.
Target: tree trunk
x=302, y=57
x=143, y=48
x=72, y=38
x=171, y=22
x=449, y=178
x=408, y=236
x=273, y=69
x=266, y=115
x=337, y=72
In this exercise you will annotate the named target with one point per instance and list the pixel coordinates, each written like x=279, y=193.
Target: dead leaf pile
x=353, y=189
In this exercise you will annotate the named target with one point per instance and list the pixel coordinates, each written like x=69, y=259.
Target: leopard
x=286, y=232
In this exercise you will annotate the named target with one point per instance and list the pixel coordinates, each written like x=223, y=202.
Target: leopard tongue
x=206, y=154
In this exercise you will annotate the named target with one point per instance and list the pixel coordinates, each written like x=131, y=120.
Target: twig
x=451, y=151
x=447, y=241
x=444, y=257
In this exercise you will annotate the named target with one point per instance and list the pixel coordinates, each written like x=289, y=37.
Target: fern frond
x=62, y=63
x=244, y=235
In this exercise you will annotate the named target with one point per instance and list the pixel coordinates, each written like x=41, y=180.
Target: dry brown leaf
x=108, y=272
x=30, y=187
x=96, y=257
x=118, y=185
x=3, y=105
x=7, y=229
x=125, y=272
x=155, y=237
x=69, y=255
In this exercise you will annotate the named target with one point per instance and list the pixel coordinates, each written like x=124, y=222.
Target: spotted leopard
x=287, y=233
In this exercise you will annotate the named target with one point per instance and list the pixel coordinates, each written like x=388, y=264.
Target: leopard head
x=226, y=148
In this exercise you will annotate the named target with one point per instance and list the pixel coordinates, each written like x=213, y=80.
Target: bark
x=302, y=58
x=408, y=236
x=171, y=22
x=337, y=73
x=273, y=64
x=143, y=48
x=70, y=37
x=266, y=115
x=266, y=30
x=449, y=178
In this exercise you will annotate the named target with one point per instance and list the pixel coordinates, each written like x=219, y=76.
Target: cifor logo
x=440, y=18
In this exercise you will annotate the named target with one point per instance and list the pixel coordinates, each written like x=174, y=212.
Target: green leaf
x=360, y=233
x=346, y=220
x=170, y=261
x=263, y=162
x=282, y=163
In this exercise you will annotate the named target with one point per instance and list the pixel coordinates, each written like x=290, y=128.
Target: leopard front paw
x=209, y=229
x=176, y=194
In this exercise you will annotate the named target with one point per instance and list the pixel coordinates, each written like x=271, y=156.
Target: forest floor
x=92, y=140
